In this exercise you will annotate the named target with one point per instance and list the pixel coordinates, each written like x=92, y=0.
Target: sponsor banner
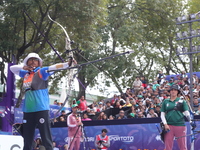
x=124, y=137
x=11, y=142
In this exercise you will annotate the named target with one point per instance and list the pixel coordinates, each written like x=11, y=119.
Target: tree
x=32, y=35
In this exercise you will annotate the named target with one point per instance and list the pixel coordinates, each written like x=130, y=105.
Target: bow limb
x=71, y=73
x=67, y=36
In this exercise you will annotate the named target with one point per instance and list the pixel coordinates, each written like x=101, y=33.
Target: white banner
x=11, y=142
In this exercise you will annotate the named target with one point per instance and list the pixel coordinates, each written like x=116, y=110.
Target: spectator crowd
x=142, y=100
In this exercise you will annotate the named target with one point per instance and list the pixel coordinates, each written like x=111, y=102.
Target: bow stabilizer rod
x=94, y=61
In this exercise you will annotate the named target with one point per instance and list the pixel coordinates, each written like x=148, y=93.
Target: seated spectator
x=63, y=116
x=171, y=82
x=55, y=102
x=111, y=117
x=117, y=105
x=85, y=117
x=131, y=112
x=65, y=147
x=61, y=119
x=139, y=98
x=198, y=111
x=152, y=113
x=196, y=93
x=88, y=111
x=140, y=93
x=162, y=96
x=157, y=110
x=140, y=104
x=143, y=111
x=108, y=105
x=156, y=92
x=150, y=87
x=128, y=104
x=195, y=104
x=161, y=87
x=121, y=115
x=134, y=104
x=183, y=74
x=55, y=120
x=167, y=88
x=140, y=114
x=157, y=102
x=94, y=107
x=114, y=99
x=180, y=81
x=186, y=90
x=105, y=117
x=95, y=104
x=103, y=102
x=121, y=100
x=100, y=117
x=186, y=80
x=38, y=143
x=151, y=106
x=92, y=113
x=155, y=85
x=127, y=93
x=198, y=89
x=146, y=102
x=54, y=146
x=195, y=79
x=100, y=107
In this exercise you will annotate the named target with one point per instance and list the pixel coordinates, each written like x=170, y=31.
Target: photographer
x=74, y=128
x=102, y=141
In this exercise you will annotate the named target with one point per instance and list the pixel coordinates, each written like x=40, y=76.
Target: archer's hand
x=28, y=68
x=80, y=124
x=167, y=128
x=74, y=62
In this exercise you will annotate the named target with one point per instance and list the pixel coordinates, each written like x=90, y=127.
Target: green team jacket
x=174, y=117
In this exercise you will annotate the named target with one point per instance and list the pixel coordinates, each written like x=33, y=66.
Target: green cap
x=132, y=114
x=74, y=105
x=139, y=96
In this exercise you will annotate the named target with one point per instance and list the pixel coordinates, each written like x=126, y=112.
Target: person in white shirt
x=54, y=146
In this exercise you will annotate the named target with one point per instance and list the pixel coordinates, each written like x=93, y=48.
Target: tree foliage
x=100, y=28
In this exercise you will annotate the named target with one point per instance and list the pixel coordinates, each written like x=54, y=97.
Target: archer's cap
x=174, y=86
x=32, y=55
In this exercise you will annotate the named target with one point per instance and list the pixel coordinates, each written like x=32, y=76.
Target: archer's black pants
x=30, y=121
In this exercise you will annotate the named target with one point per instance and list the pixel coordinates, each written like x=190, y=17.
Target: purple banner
x=124, y=137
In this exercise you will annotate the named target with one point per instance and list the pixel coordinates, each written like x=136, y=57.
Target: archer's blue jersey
x=35, y=84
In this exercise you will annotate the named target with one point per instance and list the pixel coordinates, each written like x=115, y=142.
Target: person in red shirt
x=82, y=103
x=102, y=141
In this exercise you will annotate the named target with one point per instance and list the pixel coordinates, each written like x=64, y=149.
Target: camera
x=101, y=141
